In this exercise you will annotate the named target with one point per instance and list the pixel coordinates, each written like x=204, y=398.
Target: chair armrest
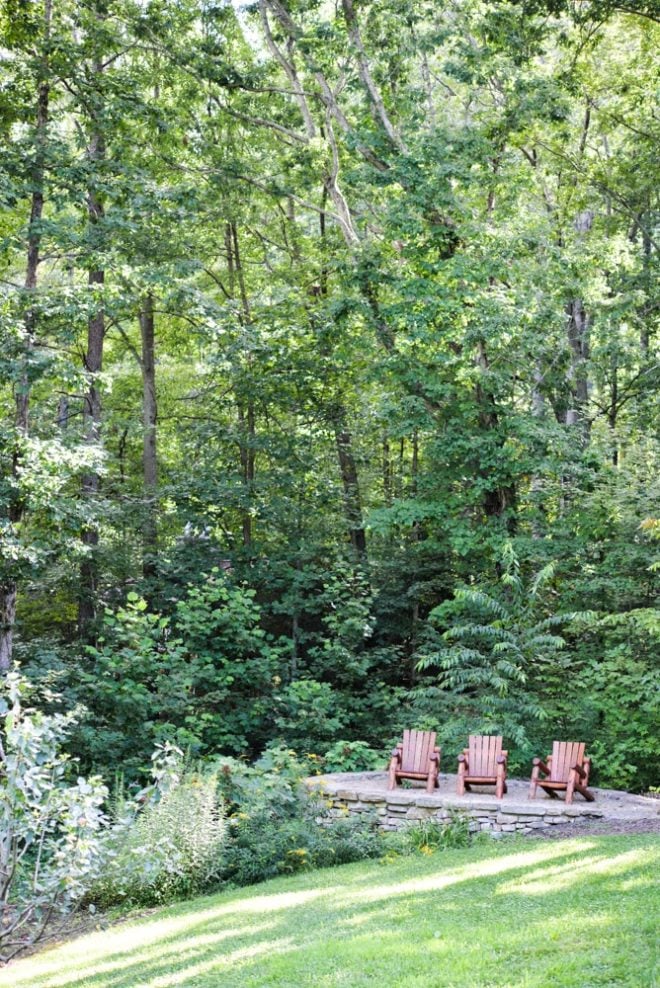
x=580, y=771
x=501, y=759
x=396, y=753
x=542, y=766
x=464, y=759
x=434, y=756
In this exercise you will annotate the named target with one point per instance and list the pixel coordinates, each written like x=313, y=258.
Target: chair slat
x=405, y=752
x=426, y=751
x=423, y=760
x=483, y=752
x=565, y=756
x=418, y=750
x=497, y=751
x=557, y=764
x=474, y=761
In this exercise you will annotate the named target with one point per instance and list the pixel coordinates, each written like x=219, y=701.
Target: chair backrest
x=565, y=756
x=417, y=749
x=483, y=752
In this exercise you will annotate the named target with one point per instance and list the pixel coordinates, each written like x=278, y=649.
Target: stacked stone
x=398, y=809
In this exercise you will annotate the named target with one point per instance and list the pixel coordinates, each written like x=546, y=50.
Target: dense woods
x=329, y=373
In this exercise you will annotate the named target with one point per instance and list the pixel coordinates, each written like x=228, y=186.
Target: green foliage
x=353, y=756
x=393, y=338
x=231, y=665
x=311, y=713
x=204, y=678
x=496, y=648
x=167, y=843
x=428, y=836
x=620, y=702
x=50, y=845
x=277, y=826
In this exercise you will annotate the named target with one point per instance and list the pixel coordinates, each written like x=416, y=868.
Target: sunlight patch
x=183, y=976
x=481, y=869
x=554, y=879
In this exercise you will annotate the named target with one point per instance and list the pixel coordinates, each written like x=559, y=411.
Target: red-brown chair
x=482, y=763
x=566, y=769
x=416, y=757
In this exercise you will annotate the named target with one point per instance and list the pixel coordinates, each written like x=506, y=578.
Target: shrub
x=427, y=836
x=204, y=677
x=353, y=756
x=309, y=713
x=262, y=847
x=171, y=846
x=276, y=825
x=342, y=841
x=50, y=847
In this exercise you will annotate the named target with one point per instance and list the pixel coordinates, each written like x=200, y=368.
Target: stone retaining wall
x=396, y=809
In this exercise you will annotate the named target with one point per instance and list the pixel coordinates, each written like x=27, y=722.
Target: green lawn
x=577, y=913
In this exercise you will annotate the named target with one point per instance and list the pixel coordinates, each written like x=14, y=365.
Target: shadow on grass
x=366, y=925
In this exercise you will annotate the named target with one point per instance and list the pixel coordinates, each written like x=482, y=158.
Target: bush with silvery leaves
x=50, y=829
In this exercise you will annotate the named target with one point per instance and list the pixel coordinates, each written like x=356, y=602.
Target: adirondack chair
x=566, y=769
x=416, y=757
x=482, y=763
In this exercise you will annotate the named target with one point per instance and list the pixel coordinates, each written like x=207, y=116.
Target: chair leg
x=534, y=781
x=500, y=785
x=460, y=779
x=391, y=783
x=570, y=787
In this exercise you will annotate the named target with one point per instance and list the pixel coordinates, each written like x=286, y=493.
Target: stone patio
x=367, y=792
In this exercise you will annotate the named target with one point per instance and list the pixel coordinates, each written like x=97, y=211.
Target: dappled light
x=477, y=906
x=553, y=879
x=481, y=870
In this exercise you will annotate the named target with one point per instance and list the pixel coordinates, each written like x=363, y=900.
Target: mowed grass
x=577, y=913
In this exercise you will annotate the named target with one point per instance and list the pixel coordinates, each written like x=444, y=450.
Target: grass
x=578, y=913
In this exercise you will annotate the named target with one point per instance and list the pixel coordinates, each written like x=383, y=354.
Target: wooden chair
x=482, y=763
x=416, y=757
x=566, y=769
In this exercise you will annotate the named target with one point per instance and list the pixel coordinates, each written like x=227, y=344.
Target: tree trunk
x=350, y=483
x=578, y=331
x=8, y=593
x=246, y=413
x=246, y=422
x=364, y=71
x=498, y=500
x=644, y=335
x=93, y=362
x=537, y=485
x=149, y=443
x=9, y=586
x=387, y=471
x=614, y=410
